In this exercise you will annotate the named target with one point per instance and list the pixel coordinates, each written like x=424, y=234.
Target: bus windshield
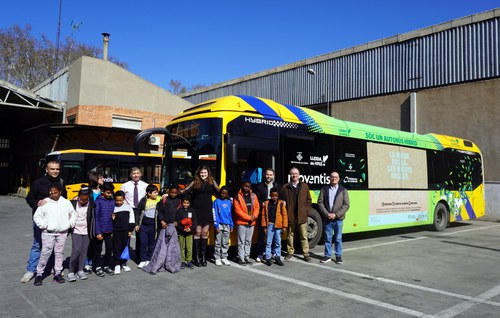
x=193, y=143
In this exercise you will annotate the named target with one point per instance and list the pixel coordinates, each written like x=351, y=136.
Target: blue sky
x=213, y=41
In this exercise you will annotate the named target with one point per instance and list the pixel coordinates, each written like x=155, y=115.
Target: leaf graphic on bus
x=363, y=176
x=362, y=167
x=343, y=163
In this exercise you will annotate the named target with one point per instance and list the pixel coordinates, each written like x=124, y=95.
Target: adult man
x=135, y=190
x=39, y=191
x=262, y=192
x=298, y=202
x=333, y=203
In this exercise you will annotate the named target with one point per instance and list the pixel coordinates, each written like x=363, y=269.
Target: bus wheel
x=440, y=217
x=314, y=228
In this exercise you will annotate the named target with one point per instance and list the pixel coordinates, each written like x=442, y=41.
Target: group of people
x=172, y=229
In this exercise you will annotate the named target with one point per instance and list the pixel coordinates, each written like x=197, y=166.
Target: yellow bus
x=395, y=178
x=113, y=165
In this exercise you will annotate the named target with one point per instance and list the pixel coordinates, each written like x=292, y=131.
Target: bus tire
x=314, y=228
x=441, y=217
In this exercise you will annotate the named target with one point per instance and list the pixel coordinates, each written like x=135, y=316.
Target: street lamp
x=326, y=88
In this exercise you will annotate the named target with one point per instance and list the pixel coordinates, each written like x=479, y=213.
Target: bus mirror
x=232, y=153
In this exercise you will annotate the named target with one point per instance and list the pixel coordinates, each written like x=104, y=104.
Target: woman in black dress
x=202, y=189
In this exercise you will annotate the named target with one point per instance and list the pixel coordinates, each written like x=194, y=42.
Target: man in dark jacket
x=39, y=191
x=333, y=203
x=298, y=204
x=262, y=192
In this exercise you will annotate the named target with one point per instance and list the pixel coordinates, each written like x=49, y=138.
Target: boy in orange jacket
x=274, y=220
x=246, y=212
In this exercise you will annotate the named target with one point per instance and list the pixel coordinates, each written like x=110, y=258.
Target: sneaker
x=338, y=260
x=225, y=262
x=117, y=270
x=279, y=262
x=108, y=271
x=81, y=275
x=38, y=280
x=288, y=257
x=141, y=265
x=87, y=270
x=27, y=277
x=248, y=261
x=183, y=265
x=146, y=263
x=99, y=272
x=325, y=260
x=71, y=277
x=190, y=265
x=242, y=262
x=259, y=259
x=268, y=262
x=59, y=279
x=307, y=258
x=125, y=268
x=218, y=262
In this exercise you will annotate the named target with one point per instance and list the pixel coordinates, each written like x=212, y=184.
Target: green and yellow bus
x=113, y=165
x=395, y=178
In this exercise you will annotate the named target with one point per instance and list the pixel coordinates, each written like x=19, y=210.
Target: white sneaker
x=126, y=268
x=71, y=277
x=81, y=275
x=225, y=262
x=218, y=262
x=146, y=263
x=258, y=259
x=27, y=277
x=141, y=265
x=117, y=270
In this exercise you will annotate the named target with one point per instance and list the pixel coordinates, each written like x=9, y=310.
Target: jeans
x=108, y=242
x=273, y=241
x=333, y=227
x=35, y=249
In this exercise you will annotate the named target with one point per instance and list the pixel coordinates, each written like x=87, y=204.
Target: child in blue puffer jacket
x=104, y=207
x=223, y=224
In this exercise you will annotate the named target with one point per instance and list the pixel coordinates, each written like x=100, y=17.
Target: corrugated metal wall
x=465, y=53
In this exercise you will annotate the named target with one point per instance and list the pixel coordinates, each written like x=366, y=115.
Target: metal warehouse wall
x=462, y=50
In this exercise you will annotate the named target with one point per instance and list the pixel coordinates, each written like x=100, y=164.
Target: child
x=246, y=210
x=54, y=219
x=79, y=237
x=146, y=224
x=168, y=207
x=274, y=220
x=223, y=224
x=104, y=207
x=123, y=225
x=186, y=225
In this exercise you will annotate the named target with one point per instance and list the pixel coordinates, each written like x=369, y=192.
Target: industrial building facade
x=443, y=79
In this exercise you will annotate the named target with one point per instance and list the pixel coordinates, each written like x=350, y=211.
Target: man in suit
x=333, y=203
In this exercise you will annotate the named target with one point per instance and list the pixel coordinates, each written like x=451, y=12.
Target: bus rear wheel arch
x=441, y=217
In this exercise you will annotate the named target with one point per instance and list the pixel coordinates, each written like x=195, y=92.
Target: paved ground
x=403, y=273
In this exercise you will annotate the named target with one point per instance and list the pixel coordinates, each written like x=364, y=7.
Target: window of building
x=127, y=122
x=4, y=143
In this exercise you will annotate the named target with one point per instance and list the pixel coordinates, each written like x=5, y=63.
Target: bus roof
x=316, y=122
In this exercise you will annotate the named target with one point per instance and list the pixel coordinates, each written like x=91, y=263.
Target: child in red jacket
x=246, y=212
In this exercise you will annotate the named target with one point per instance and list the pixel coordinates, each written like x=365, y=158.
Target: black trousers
x=120, y=241
x=108, y=241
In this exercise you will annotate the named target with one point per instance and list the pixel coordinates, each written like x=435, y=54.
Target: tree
x=176, y=87
x=26, y=61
